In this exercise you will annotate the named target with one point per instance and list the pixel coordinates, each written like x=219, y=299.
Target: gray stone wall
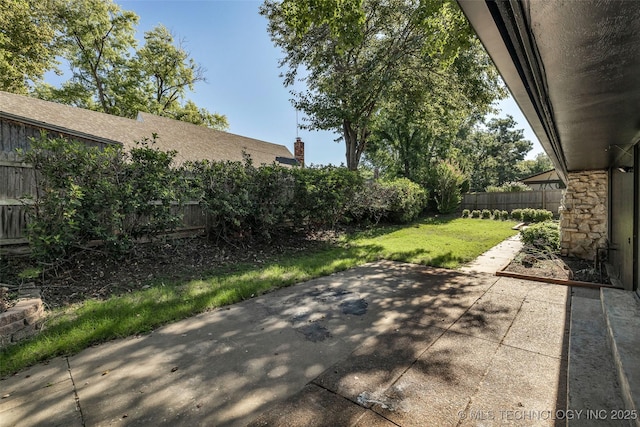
x=583, y=214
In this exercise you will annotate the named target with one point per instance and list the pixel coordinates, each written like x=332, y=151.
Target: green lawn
x=441, y=242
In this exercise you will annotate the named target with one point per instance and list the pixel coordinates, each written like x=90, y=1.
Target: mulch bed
x=537, y=263
x=93, y=274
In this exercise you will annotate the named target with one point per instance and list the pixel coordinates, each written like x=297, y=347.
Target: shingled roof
x=192, y=142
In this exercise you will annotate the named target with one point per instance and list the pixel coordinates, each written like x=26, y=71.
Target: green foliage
x=504, y=215
x=447, y=187
x=486, y=214
x=475, y=213
x=543, y=235
x=405, y=200
x=109, y=74
x=85, y=194
x=508, y=187
x=241, y=200
x=359, y=56
x=466, y=213
x=496, y=214
x=516, y=214
x=541, y=163
x=541, y=215
x=528, y=214
x=531, y=215
x=28, y=45
x=322, y=194
x=489, y=154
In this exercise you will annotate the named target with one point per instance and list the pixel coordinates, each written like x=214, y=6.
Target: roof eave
x=498, y=26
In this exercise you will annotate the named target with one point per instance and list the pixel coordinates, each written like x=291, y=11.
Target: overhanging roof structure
x=573, y=67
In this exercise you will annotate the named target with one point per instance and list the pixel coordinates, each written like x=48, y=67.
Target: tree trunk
x=351, y=142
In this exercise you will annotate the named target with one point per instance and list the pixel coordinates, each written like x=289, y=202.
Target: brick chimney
x=298, y=151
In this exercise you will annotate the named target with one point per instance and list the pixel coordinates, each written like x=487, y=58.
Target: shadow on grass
x=70, y=331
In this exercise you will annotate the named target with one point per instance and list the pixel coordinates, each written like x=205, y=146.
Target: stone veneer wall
x=583, y=214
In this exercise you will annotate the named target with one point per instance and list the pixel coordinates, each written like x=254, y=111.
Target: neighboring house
x=192, y=142
x=23, y=117
x=548, y=180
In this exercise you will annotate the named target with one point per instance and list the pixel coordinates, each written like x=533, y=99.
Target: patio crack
x=75, y=393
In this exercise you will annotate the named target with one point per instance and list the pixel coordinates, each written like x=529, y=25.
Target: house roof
x=192, y=142
x=542, y=177
x=572, y=67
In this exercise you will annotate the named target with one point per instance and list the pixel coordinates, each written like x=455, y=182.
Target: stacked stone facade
x=583, y=214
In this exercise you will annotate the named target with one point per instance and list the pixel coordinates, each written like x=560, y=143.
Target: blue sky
x=229, y=39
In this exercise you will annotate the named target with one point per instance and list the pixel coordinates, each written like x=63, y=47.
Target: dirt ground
x=93, y=274
x=533, y=262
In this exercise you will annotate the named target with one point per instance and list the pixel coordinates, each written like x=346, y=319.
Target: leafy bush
x=322, y=194
x=542, y=235
x=398, y=201
x=87, y=193
x=516, y=214
x=541, y=215
x=496, y=214
x=475, y=213
x=531, y=215
x=504, y=215
x=466, y=213
x=486, y=214
x=448, y=183
x=528, y=214
x=407, y=200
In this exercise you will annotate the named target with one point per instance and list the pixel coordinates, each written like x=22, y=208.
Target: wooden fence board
x=539, y=199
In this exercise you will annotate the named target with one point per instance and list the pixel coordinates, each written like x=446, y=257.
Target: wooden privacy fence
x=539, y=199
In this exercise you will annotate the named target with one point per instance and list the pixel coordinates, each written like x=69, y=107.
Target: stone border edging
x=23, y=319
x=502, y=273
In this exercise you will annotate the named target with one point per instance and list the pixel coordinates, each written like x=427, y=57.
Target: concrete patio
x=383, y=344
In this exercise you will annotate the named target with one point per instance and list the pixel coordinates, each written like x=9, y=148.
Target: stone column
x=584, y=214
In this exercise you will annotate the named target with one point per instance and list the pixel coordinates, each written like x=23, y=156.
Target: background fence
x=540, y=199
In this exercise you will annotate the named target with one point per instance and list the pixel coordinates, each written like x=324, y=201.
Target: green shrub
x=448, y=182
x=87, y=193
x=398, y=201
x=496, y=214
x=516, y=214
x=504, y=215
x=322, y=194
x=541, y=215
x=475, y=213
x=466, y=213
x=406, y=199
x=542, y=235
x=528, y=214
x=486, y=214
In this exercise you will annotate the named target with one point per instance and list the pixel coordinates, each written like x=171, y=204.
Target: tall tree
x=490, y=154
x=168, y=68
x=27, y=43
x=541, y=163
x=417, y=125
x=111, y=76
x=350, y=57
